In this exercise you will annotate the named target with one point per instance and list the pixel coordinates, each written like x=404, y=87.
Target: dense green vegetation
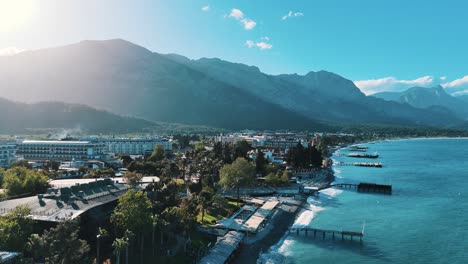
x=20, y=180
x=15, y=228
x=60, y=245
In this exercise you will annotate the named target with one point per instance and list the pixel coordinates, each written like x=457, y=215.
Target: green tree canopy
x=133, y=212
x=2, y=172
x=241, y=148
x=158, y=153
x=260, y=162
x=239, y=173
x=19, y=180
x=132, y=178
x=15, y=228
x=20, y=163
x=60, y=245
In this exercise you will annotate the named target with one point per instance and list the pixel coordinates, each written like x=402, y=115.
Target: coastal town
x=180, y=198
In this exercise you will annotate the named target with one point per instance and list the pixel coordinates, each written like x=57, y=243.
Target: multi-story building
x=132, y=146
x=61, y=150
x=7, y=154
x=135, y=146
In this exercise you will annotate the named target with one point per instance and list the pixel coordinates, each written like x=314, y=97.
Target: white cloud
x=260, y=44
x=456, y=83
x=237, y=14
x=206, y=8
x=392, y=84
x=248, y=23
x=10, y=51
x=263, y=45
x=457, y=87
x=292, y=14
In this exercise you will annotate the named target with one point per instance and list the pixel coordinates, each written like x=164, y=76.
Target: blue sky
x=382, y=45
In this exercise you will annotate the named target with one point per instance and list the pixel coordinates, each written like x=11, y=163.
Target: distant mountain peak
x=126, y=78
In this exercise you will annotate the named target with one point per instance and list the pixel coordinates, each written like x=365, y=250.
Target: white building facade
x=7, y=154
x=135, y=146
x=61, y=150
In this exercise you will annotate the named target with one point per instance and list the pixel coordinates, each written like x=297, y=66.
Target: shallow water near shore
x=424, y=221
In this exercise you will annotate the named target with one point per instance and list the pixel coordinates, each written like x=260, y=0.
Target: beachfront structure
x=224, y=249
x=250, y=217
x=7, y=154
x=132, y=146
x=61, y=150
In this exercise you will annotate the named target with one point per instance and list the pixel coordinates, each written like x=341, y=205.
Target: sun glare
x=14, y=14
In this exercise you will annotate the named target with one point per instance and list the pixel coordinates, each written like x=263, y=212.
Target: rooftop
x=52, y=206
x=223, y=248
x=54, y=142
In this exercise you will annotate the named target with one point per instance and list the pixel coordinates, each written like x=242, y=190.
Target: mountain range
x=46, y=116
x=127, y=79
x=421, y=97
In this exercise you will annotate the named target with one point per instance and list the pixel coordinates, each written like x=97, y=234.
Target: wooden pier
x=365, y=187
x=360, y=164
x=324, y=233
x=374, y=188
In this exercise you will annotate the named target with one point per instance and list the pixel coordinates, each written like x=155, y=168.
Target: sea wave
x=279, y=252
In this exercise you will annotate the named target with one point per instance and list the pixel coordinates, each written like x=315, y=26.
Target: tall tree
x=260, y=162
x=132, y=178
x=158, y=153
x=60, y=245
x=2, y=172
x=133, y=213
x=241, y=148
x=102, y=233
x=15, y=228
x=204, y=199
x=239, y=173
x=119, y=245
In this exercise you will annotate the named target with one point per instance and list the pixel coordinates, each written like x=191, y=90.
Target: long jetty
x=365, y=187
x=360, y=164
x=324, y=232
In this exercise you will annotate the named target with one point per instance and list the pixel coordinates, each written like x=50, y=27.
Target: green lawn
x=211, y=218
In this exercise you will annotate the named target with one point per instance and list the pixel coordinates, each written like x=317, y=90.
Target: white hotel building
x=135, y=146
x=131, y=146
x=61, y=150
x=7, y=154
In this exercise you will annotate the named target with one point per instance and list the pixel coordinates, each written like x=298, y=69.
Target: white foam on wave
x=331, y=192
x=278, y=252
x=305, y=218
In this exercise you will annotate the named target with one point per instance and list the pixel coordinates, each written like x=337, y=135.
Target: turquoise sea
x=424, y=221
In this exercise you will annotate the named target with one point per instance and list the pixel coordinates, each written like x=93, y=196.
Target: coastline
x=278, y=226
x=280, y=223
x=250, y=252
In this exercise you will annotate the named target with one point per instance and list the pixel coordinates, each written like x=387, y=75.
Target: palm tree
x=128, y=236
x=119, y=245
x=102, y=233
